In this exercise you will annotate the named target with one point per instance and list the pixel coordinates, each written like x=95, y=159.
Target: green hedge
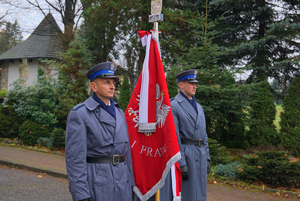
x=30, y=131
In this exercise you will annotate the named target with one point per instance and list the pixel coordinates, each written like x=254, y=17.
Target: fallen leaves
x=39, y=176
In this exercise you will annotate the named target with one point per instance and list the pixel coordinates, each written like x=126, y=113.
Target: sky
x=28, y=19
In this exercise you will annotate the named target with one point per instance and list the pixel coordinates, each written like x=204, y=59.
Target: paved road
x=19, y=185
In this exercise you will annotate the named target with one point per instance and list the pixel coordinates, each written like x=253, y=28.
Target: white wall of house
x=13, y=71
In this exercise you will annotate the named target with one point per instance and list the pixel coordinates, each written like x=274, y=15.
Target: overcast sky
x=27, y=16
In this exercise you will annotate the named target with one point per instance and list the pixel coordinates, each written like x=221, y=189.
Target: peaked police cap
x=102, y=70
x=188, y=75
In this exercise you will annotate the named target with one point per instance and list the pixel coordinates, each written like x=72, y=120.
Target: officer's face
x=188, y=88
x=104, y=88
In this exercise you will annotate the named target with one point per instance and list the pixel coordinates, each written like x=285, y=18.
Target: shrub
x=290, y=119
x=3, y=92
x=229, y=170
x=262, y=113
x=9, y=122
x=271, y=167
x=36, y=102
x=58, y=137
x=44, y=142
x=30, y=131
x=217, y=152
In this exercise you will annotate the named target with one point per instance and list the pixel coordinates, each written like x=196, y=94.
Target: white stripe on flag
x=143, y=109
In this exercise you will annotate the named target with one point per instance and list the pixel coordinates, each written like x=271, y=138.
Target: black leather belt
x=198, y=142
x=115, y=159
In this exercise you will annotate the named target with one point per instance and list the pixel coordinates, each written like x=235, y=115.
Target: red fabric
x=150, y=153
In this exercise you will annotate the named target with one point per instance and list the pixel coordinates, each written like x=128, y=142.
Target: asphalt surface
x=19, y=185
x=54, y=165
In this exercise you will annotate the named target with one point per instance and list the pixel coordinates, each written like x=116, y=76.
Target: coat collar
x=91, y=104
x=186, y=106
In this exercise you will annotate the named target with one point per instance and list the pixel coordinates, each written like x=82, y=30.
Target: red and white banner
x=152, y=134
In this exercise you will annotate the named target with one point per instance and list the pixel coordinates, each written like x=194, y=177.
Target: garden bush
x=44, y=142
x=58, y=137
x=9, y=122
x=30, y=131
x=271, y=167
x=36, y=102
x=290, y=118
x=230, y=170
x=218, y=153
x=262, y=114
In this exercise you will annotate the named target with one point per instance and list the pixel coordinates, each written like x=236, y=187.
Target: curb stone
x=34, y=169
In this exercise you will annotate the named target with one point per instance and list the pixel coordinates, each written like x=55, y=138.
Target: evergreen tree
x=10, y=36
x=125, y=94
x=262, y=129
x=261, y=35
x=290, y=118
x=223, y=101
x=73, y=84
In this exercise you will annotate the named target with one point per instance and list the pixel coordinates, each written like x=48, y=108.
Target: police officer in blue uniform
x=190, y=126
x=97, y=149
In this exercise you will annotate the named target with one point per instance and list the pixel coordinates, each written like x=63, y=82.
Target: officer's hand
x=86, y=199
x=185, y=173
x=208, y=167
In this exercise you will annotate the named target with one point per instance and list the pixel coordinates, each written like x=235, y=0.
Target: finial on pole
x=156, y=15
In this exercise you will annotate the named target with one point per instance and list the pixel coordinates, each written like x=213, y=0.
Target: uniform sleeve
x=182, y=161
x=75, y=155
x=206, y=139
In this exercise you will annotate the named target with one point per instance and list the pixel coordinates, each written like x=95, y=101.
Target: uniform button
x=117, y=182
x=115, y=145
x=196, y=128
x=96, y=111
x=127, y=180
x=196, y=160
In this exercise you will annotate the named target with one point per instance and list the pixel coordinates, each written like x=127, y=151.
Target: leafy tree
x=262, y=129
x=10, y=36
x=125, y=94
x=290, y=118
x=9, y=122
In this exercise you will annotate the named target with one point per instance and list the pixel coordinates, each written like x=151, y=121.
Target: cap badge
x=112, y=66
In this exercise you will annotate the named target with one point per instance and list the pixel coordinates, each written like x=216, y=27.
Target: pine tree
x=10, y=36
x=261, y=35
x=290, y=118
x=223, y=101
x=125, y=94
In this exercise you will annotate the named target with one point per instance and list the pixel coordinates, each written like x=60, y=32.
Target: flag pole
x=155, y=17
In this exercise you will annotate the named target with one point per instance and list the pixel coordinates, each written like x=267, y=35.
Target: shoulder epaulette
x=172, y=99
x=77, y=106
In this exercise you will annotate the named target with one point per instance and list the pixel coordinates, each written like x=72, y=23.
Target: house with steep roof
x=23, y=59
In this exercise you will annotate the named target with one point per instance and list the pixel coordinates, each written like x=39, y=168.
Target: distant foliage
x=271, y=167
x=262, y=113
x=230, y=170
x=10, y=36
x=218, y=153
x=125, y=94
x=30, y=131
x=290, y=118
x=58, y=137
